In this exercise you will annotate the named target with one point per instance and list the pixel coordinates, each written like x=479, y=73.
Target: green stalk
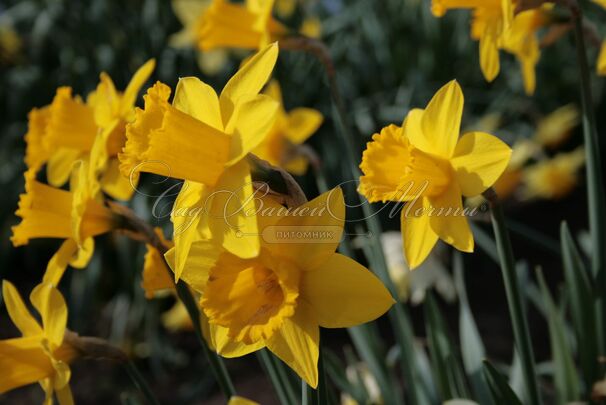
x=514, y=298
x=216, y=363
x=398, y=314
x=595, y=188
x=140, y=382
x=278, y=383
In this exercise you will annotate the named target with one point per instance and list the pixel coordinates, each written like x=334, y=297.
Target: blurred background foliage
x=390, y=56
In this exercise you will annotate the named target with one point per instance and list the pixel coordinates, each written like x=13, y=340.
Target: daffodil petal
x=478, y=161
x=249, y=80
x=49, y=302
x=198, y=99
x=441, y=121
x=23, y=362
x=227, y=347
x=417, y=235
x=302, y=123
x=203, y=255
x=448, y=219
x=64, y=395
x=297, y=343
x=343, y=293
x=323, y=215
x=489, y=54
x=134, y=86
x=115, y=184
x=241, y=401
x=233, y=219
x=252, y=119
x=60, y=165
x=18, y=312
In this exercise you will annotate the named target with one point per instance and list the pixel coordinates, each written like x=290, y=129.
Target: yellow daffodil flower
x=425, y=164
x=521, y=40
x=69, y=130
x=204, y=139
x=76, y=216
x=311, y=27
x=246, y=26
x=286, y=8
x=280, y=298
x=601, y=65
x=189, y=12
x=554, y=178
x=40, y=355
x=10, y=43
x=556, y=127
x=177, y=318
x=290, y=130
x=511, y=178
x=491, y=19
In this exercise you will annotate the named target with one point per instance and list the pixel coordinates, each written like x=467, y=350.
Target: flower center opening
x=250, y=297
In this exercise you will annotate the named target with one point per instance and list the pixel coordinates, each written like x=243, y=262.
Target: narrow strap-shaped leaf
x=501, y=391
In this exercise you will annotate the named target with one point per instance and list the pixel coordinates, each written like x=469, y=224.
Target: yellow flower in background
x=557, y=126
x=291, y=129
x=521, y=40
x=10, y=43
x=156, y=277
x=360, y=376
x=76, y=216
x=189, y=13
x=511, y=178
x=70, y=129
x=311, y=27
x=491, y=19
x=554, y=178
x=286, y=8
x=204, y=139
x=40, y=355
x=177, y=318
x=425, y=164
x=601, y=65
x=246, y=26
x=241, y=401
x=280, y=298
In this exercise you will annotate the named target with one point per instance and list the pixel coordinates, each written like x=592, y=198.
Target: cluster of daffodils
x=261, y=281
x=512, y=26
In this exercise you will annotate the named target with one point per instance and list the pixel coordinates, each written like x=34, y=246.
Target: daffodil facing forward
x=297, y=283
x=41, y=354
x=282, y=147
x=204, y=139
x=425, y=164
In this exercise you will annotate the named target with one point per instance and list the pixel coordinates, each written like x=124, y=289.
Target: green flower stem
x=282, y=387
x=136, y=228
x=514, y=298
x=595, y=187
x=140, y=382
x=398, y=314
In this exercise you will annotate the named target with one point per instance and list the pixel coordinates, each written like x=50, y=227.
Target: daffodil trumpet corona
x=425, y=164
x=281, y=297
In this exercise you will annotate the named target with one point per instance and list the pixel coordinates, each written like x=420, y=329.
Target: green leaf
x=472, y=347
x=501, y=391
x=581, y=306
x=565, y=375
x=447, y=370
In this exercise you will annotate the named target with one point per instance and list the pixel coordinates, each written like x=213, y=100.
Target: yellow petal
x=441, y=121
x=36, y=153
x=23, y=362
x=227, y=347
x=64, y=395
x=601, y=65
x=232, y=218
x=302, y=123
x=479, y=160
x=134, y=86
x=203, y=255
x=297, y=343
x=448, y=219
x=115, y=184
x=343, y=293
x=322, y=218
x=49, y=302
x=71, y=123
x=249, y=80
x=18, y=312
x=156, y=275
x=489, y=54
x=241, y=401
x=60, y=165
x=58, y=263
x=198, y=99
x=250, y=123
x=417, y=235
